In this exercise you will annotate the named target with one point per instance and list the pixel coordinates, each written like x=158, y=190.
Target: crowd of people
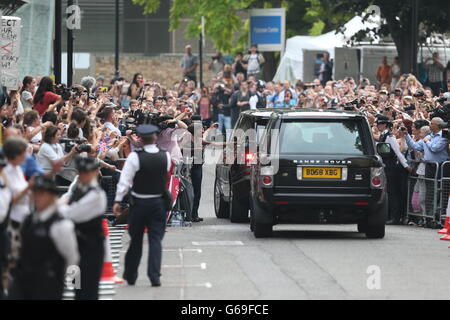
x=54, y=137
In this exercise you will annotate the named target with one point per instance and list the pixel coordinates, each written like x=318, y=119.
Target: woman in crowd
x=136, y=86
x=27, y=92
x=45, y=98
x=51, y=151
x=205, y=107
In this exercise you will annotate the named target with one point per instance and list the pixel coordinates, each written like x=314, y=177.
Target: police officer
x=258, y=99
x=49, y=245
x=85, y=204
x=146, y=171
x=5, y=200
x=394, y=163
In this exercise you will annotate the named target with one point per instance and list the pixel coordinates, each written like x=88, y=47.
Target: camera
x=79, y=144
x=63, y=91
x=419, y=94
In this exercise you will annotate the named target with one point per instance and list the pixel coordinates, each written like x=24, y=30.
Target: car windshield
x=321, y=137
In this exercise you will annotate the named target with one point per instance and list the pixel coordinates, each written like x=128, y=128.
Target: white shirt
x=17, y=183
x=49, y=153
x=63, y=235
x=253, y=102
x=26, y=95
x=130, y=168
x=396, y=148
x=111, y=127
x=253, y=64
x=37, y=137
x=91, y=206
x=5, y=200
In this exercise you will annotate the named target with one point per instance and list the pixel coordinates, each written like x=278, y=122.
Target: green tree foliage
x=323, y=16
x=433, y=17
x=222, y=22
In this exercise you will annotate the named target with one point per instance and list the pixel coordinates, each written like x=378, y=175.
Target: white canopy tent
x=291, y=64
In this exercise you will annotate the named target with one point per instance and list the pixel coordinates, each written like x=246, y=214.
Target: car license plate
x=322, y=173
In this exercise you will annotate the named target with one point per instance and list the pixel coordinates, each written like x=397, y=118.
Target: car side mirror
x=383, y=149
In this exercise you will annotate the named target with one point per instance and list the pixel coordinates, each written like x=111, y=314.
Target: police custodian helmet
x=84, y=164
x=45, y=184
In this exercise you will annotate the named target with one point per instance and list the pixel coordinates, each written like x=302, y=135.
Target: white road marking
x=217, y=243
x=185, y=250
x=187, y=285
x=177, y=266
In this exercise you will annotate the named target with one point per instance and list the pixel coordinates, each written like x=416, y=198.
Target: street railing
x=426, y=194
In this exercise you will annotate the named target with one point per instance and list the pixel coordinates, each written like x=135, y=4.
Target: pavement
x=219, y=260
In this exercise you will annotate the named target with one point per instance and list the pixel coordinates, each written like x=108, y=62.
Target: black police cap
x=260, y=84
x=46, y=184
x=3, y=161
x=147, y=129
x=86, y=164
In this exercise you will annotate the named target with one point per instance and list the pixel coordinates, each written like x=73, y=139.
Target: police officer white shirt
x=62, y=234
x=92, y=205
x=130, y=168
x=5, y=200
x=17, y=184
x=396, y=148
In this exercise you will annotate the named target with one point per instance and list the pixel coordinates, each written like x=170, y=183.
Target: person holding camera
x=52, y=151
x=45, y=98
x=394, y=162
x=169, y=135
x=109, y=116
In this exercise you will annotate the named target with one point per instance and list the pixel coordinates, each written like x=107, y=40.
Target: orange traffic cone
x=447, y=219
x=108, y=274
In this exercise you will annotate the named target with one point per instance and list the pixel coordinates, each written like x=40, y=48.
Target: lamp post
x=69, y=50
x=415, y=35
x=117, y=48
x=57, y=50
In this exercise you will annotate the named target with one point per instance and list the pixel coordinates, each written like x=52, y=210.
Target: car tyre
x=238, y=208
x=362, y=227
x=262, y=230
x=221, y=207
x=376, y=222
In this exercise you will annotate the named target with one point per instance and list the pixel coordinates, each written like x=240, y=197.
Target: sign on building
x=268, y=28
x=10, y=52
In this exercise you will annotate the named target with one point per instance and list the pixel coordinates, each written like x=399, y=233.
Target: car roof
x=304, y=113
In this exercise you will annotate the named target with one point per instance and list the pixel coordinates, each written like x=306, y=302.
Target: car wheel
x=376, y=222
x=238, y=208
x=252, y=219
x=262, y=230
x=362, y=227
x=220, y=206
x=375, y=232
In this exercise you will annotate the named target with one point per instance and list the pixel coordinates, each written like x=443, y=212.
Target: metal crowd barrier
x=445, y=189
x=426, y=201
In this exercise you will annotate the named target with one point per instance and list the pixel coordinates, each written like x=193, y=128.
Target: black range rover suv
x=318, y=167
